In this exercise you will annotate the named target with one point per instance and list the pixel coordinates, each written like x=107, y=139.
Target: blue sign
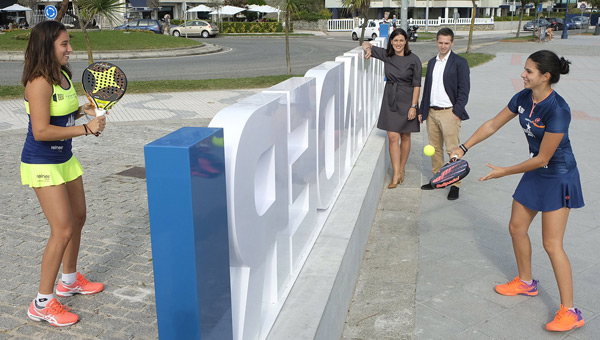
x=50, y=12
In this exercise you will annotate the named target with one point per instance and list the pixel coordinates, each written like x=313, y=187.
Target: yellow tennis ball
x=429, y=150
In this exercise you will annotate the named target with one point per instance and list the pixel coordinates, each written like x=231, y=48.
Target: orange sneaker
x=55, y=313
x=80, y=286
x=565, y=320
x=517, y=287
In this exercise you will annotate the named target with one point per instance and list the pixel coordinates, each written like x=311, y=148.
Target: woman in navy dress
x=550, y=181
x=400, y=97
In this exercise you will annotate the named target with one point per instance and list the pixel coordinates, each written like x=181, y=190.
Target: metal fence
x=347, y=25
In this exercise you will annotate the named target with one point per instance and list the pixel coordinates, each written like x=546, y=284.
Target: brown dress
x=403, y=74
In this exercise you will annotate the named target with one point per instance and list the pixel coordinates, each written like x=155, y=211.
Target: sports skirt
x=44, y=175
x=550, y=191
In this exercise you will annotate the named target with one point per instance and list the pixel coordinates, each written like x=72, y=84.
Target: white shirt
x=438, y=96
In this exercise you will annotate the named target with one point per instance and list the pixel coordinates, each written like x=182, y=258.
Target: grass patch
x=105, y=40
x=426, y=35
x=16, y=91
x=474, y=59
x=522, y=38
x=269, y=34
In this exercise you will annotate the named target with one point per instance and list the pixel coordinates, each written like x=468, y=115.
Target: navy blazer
x=456, y=82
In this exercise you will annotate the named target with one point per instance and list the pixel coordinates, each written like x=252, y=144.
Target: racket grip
x=100, y=112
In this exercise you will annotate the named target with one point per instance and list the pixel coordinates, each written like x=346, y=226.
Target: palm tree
x=523, y=3
x=87, y=10
x=289, y=6
x=64, y=5
x=472, y=26
x=362, y=7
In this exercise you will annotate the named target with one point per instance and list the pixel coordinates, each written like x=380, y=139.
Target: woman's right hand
x=97, y=124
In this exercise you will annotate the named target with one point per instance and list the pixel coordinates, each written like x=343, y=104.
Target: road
x=241, y=57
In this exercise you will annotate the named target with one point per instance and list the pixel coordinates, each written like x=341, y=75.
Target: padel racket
x=450, y=173
x=104, y=84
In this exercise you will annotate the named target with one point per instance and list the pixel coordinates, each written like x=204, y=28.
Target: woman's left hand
x=496, y=172
x=88, y=109
x=412, y=113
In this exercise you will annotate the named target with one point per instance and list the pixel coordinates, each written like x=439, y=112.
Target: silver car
x=581, y=21
x=202, y=28
x=529, y=26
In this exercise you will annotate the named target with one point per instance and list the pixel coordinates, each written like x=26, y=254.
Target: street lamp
x=565, y=35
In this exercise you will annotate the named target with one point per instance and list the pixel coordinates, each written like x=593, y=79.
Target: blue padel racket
x=104, y=84
x=450, y=173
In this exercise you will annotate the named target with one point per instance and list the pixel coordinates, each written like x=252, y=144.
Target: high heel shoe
x=393, y=184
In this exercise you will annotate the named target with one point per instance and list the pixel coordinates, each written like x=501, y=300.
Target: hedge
x=252, y=27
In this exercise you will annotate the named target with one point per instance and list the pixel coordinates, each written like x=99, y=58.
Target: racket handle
x=100, y=112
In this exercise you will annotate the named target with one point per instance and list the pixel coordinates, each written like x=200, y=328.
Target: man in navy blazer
x=445, y=95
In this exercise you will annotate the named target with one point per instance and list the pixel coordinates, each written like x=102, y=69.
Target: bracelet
x=463, y=148
x=86, y=129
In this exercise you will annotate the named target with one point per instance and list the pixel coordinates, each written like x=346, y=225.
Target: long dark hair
x=390, y=49
x=548, y=61
x=40, y=59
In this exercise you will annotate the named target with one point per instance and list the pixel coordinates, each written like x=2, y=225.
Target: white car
x=202, y=28
x=372, y=30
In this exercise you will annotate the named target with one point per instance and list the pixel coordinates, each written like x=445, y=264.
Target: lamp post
x=565, y=35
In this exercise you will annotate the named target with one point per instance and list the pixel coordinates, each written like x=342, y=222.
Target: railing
x=68, y=20
x=38, y=16
x=340, y=25
x=347, y=25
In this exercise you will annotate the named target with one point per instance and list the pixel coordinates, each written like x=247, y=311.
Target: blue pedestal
x=187, y=203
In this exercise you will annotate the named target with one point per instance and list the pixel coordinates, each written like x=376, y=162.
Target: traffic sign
x=50, y=12
x=582, y=7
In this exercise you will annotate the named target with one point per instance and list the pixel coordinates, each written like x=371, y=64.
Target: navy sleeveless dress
x=557, y=184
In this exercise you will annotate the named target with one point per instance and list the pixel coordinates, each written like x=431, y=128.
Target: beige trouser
x=443, y=129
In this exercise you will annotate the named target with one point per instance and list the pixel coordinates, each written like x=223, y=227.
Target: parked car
x=371, y=32
x=143, y=24
x=583, y=21
x=557, y=23
x=529, y=26
x=201, y=28
x=571, y=25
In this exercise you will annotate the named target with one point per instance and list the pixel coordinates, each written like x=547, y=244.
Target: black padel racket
x=450, y=173
x=104, y=84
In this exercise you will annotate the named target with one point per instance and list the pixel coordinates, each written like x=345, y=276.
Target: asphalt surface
x=430, y=265
x=224, y=57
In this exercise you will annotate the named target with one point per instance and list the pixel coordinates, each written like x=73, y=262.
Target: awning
x=228, y=10
x=201, y=8
x=15, y=8
x=140, y=4
x=263, y=9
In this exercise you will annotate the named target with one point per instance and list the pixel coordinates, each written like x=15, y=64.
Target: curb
x=135, y=54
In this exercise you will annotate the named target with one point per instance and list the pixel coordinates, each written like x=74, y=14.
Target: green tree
x=87, y=10
x=361, y=7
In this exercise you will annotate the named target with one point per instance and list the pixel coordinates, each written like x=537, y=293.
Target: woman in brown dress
x=400, y=97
